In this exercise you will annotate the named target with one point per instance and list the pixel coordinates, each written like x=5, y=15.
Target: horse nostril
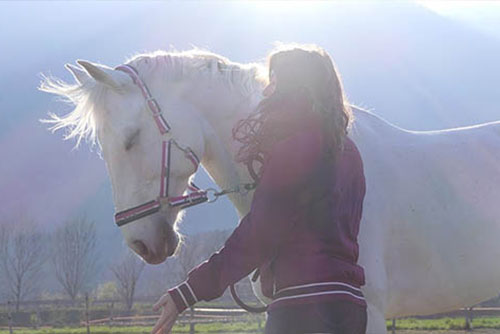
x=140, y=248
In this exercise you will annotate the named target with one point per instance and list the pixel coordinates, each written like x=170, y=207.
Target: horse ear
x=79, y=74
x=105, y=75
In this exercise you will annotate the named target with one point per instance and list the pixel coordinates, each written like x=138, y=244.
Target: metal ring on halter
x=242, y=190
x=215, y=195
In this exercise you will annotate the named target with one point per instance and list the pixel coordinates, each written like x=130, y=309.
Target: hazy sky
x=483, y=15
x=375, y=44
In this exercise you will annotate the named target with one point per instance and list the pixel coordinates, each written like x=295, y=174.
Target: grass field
x=446, y=323
x=236, y=327
x=489, y=325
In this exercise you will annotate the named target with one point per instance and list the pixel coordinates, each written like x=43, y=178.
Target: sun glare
x=463, y=8
x=283, y=7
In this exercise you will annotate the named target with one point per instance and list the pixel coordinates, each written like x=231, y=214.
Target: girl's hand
x=168, y=316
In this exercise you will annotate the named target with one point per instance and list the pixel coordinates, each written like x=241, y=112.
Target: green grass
x=252, y=327
x=444, y=323
x=234, y=327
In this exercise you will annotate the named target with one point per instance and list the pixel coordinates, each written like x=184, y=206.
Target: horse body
x=429, y=233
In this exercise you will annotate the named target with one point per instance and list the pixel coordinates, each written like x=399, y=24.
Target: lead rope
x=251, y=309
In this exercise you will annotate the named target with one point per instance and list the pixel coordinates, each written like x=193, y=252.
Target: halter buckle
x=214, y=195
x=153, y=106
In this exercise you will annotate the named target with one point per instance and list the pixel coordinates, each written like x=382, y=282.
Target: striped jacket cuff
x=183, y=296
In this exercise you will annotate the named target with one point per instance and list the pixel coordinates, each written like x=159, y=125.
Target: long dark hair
x=301, y=70
x=306, y=78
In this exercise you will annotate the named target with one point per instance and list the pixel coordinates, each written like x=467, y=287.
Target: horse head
x=111, y=109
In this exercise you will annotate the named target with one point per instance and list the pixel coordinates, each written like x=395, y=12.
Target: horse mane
x=82, y=122
x=192, y=64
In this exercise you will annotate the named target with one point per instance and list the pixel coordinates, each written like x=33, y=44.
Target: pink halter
x=195, y=197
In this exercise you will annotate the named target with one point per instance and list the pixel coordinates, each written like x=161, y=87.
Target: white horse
x=429, y=238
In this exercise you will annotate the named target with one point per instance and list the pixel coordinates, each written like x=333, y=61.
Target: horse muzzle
x=155, y=250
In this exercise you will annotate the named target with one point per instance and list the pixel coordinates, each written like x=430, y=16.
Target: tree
x=75, y=256
x=106, y=291
x=22, y=258
x=156, y=279
x=127, y=274
x=194, y=249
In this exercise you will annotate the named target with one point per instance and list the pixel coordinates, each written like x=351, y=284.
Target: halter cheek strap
x=153, y=106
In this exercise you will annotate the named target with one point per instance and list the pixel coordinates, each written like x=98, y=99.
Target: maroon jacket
x=298, y=264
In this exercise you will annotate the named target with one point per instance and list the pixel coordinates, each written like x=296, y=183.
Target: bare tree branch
x=75, y=256
x=22, y=258
x=127, y=274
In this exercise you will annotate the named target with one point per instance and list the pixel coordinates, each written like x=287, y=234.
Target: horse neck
x=220, y=149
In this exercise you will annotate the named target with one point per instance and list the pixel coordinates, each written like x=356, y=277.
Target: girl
x=301, y=231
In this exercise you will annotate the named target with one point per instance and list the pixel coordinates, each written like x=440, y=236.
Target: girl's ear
x=269, y=90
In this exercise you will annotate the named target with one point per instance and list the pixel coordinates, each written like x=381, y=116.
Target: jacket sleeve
x=270, y=221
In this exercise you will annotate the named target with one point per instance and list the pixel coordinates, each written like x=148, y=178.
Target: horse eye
x=132, y=139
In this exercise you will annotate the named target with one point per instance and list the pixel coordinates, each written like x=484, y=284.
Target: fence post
x=393, y=325
x=38, y=317
x=111, y=312
x=9, y=316
x=468, y=319
x=191, y=322
x=87, y=312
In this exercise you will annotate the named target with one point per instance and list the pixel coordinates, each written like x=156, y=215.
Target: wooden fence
x=200, y=315
x=192, y=317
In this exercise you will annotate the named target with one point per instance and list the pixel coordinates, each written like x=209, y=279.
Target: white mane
x=81, y=123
